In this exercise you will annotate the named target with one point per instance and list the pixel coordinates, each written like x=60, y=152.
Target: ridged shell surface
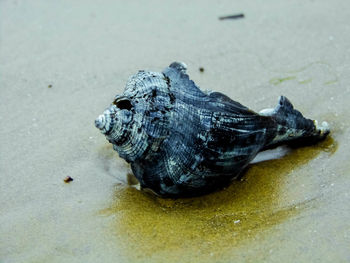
x=181, y=141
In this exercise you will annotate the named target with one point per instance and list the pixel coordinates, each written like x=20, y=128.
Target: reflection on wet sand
x=207, y=226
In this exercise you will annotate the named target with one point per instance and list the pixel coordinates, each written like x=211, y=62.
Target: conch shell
x=181, y=141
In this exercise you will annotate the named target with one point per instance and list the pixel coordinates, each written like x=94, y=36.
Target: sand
x=61, y=63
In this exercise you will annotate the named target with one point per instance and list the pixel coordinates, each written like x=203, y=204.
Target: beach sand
x=61, y=64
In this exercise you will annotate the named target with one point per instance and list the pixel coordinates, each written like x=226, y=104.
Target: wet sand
x=61, y=65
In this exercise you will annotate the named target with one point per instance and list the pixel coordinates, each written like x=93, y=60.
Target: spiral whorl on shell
x=181, y=141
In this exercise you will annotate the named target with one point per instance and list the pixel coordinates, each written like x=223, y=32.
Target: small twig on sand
x=232, y=17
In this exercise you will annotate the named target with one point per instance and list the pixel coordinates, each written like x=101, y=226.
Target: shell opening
x=123, y=104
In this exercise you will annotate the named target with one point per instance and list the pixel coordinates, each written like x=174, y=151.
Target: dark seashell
x=181, y=141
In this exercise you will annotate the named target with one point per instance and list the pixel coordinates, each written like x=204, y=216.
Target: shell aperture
x=181, y=141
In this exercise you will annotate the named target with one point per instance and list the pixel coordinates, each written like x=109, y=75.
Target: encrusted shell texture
x=181, y=141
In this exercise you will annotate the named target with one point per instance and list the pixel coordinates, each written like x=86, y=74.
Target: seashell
x=181, y=141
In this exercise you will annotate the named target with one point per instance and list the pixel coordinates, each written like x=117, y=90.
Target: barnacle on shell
x=181, y=141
